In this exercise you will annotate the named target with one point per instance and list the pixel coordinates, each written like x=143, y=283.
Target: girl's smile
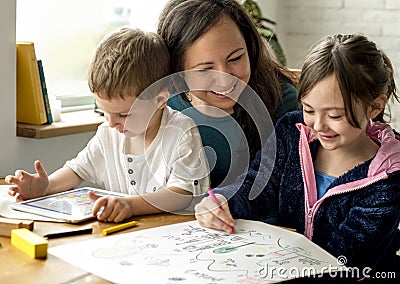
x=324, y=113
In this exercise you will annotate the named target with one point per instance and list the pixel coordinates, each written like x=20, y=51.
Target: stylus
x=69, y=233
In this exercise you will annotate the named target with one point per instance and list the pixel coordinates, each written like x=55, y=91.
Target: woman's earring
x=188, y=96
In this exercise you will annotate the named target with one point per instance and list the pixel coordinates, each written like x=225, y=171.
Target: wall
x=17, y=152
x=269, y=8
x=301, y=23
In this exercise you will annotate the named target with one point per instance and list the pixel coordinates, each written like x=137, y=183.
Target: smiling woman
x=218, y=35
x=230, y=57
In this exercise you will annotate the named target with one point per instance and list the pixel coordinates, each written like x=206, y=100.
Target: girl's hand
x=27, y=186
x=115, y=208
x=209, y=215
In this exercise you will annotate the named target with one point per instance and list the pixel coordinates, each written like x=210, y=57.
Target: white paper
x=187, y=253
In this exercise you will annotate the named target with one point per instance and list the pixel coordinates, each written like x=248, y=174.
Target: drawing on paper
x=188, y=253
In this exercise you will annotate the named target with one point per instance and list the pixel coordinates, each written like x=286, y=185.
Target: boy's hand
x=209, y=215
x=27, y=186
x=115, y=208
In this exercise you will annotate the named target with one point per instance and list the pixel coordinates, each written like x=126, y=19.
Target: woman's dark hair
x=362, y=71
x=182, y=22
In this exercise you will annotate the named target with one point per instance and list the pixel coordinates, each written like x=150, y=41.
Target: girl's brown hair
x=362, y=70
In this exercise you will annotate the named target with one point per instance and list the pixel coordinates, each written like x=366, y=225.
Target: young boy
x=145, y=149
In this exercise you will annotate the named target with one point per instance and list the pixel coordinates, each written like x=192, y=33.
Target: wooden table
x=16, y=267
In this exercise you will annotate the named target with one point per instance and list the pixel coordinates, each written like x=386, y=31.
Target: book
x=30, y=103
x=49, y=116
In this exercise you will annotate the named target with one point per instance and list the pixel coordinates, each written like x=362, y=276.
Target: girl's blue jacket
x=358, y=217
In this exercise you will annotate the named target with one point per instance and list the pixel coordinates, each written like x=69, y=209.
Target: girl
x=337, y=172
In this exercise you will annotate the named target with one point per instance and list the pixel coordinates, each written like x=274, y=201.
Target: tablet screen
x=71, y=206
x=73, y=203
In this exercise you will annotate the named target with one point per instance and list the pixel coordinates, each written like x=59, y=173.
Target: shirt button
x=196, y=182
x=130, y=171
x=154, y=189
x=130, y=160
x=133, y=182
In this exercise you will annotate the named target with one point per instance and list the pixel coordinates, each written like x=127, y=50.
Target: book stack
x=33, y=105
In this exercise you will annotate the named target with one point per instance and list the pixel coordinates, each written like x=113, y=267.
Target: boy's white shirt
x=176, y=157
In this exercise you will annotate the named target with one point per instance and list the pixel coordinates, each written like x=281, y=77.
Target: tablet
x=71, y=206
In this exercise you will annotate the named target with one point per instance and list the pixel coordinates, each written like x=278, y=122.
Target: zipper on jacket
x=308, y=226
x=308, y=231
x=310, y=211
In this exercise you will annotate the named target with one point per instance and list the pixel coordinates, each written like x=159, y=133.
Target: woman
x=218, y=35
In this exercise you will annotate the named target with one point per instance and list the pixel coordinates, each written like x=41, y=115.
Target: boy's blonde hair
x=126, y=62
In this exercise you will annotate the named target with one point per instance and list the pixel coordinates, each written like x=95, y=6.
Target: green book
x=45, y=95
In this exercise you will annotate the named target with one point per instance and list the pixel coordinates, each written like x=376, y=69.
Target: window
x=66, y=32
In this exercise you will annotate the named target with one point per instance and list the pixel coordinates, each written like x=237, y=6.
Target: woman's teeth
x=224, y=93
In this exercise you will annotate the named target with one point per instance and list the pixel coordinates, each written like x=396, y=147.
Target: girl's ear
x=161, y=99
x=378, y=106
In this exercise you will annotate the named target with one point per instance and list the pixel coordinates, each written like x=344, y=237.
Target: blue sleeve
x=237, y=193
x=255, y=194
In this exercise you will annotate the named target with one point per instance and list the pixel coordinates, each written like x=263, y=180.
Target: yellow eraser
x=33, y=245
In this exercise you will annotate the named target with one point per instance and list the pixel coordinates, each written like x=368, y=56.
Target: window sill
x=71, y=123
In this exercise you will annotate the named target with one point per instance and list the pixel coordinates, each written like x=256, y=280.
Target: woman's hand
x=210, y=215
x=114, y=208
x=27, y=186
